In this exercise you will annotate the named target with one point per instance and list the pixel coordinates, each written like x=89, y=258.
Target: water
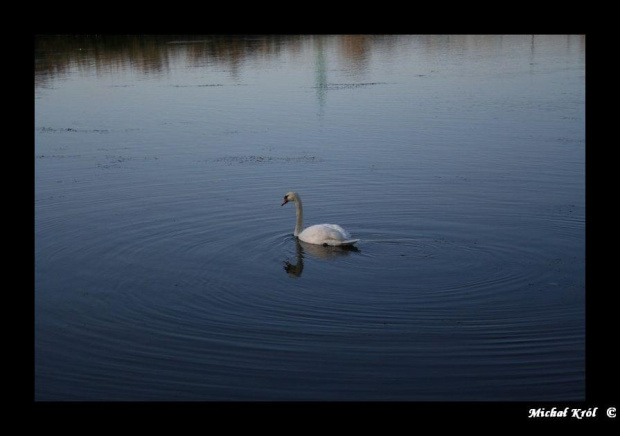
x=166, y=269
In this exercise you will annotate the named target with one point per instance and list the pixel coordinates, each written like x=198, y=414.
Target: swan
x=319, y=234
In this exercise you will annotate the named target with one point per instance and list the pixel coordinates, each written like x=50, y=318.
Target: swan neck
x=299, y=225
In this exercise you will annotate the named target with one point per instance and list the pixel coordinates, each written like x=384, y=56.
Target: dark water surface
x=166, y=269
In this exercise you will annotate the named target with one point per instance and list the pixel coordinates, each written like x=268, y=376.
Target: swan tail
x=348, y=242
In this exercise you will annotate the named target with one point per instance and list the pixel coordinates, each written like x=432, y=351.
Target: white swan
x=320, y=234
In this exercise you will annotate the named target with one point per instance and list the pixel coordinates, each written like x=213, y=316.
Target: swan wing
x=327, y=234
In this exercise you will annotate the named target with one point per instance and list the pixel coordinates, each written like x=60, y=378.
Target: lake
x=166, y=268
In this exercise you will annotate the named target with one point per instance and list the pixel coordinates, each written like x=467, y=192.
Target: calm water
x=166, y=269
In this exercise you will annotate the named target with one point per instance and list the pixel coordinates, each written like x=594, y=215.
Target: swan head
x=290, y=196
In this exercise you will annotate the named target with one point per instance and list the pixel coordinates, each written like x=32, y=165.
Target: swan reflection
x=317, y=251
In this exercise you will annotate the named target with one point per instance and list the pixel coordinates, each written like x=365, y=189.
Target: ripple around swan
x=213, y=302
x=428, y=267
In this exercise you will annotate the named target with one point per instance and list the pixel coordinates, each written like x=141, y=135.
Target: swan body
x=319, y=234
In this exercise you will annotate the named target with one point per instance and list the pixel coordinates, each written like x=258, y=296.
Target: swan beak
x=285, y=201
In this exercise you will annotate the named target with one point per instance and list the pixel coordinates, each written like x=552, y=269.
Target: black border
x=601, y=359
